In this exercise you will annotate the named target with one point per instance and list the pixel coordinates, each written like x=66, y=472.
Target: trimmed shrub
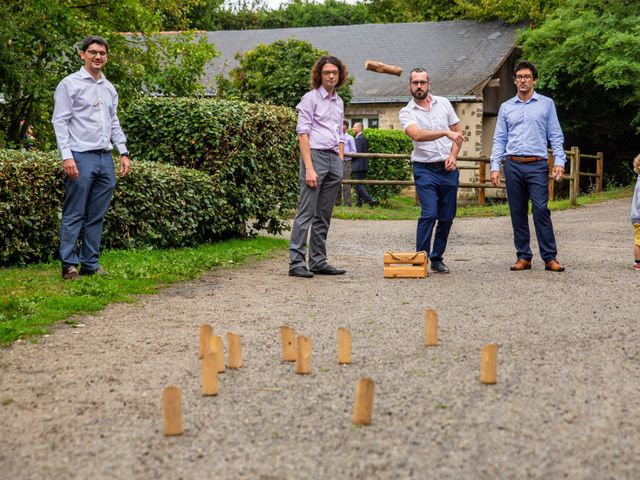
x=157, y=205
x=388, y=141
x=250, y=150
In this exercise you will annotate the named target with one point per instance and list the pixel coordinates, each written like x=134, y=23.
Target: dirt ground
x=86, y=402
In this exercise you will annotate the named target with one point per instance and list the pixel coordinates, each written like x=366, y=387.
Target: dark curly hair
x=316, y=71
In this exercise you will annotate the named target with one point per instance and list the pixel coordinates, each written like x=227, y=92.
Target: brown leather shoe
x=521, y=264
x=553, y=266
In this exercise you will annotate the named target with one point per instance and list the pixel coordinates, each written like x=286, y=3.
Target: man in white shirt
x=435, y=130
x=85, y=121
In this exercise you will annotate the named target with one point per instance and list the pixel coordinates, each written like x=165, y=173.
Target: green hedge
x=388, y=141
x=159, y=206
x=250, y=150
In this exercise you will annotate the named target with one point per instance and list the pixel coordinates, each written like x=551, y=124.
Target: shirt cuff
x=66, y=153
x=122, y=148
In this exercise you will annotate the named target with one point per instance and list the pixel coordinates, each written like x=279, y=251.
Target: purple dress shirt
x=320, y=116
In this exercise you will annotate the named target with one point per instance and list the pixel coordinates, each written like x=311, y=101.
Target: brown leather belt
x=525, y=159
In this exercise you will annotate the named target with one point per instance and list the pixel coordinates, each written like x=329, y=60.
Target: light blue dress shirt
x=349, y=145
x=85, y=115
x=525, y=128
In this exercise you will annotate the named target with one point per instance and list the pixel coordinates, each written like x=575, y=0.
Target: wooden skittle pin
x=344, y=346
x=288, y=337
x=234, y=346
x=216, y=346
x=430, y=327
x=172, y=410
x=303, y=363
x=488, y=369
x=205, y=332
x=210, y=374
x=363, y=405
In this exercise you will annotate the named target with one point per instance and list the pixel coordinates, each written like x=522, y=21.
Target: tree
x=277, y=73
x=588, y=54
x=39, y=46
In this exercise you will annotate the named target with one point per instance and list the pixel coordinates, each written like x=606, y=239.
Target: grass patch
x=35, y=297
x=402, y=207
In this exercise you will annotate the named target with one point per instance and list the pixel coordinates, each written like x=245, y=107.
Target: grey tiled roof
x=459, y=55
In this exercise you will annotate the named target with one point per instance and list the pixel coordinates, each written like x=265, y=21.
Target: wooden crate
x=405, y=264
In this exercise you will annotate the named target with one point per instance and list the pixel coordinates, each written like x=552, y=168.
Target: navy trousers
x=437, y=189
x=530, y=181
x=86, y=201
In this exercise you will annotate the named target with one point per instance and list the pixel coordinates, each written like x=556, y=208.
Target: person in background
x=349, y=147
x=360, y=167
x=635, y=215
x=85, y=121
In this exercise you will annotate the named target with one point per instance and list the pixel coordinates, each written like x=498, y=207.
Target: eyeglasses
x=524, y=77
x=96, y=53
x=417, y=83
x=335, y=73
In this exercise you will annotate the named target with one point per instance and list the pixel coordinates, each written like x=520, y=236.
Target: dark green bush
x=156, y=206
x=388, y=141
x=250, y=150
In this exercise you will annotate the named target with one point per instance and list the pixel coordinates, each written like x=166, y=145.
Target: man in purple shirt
x=319, y=129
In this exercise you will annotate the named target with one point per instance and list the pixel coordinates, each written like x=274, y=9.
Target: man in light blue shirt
x=85, y=121
x=526, y=124
x=349, y=147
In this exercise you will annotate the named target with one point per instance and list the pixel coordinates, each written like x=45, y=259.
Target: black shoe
x=374, y=203
x=438, y=266
x=300, y=272
x=328, y=270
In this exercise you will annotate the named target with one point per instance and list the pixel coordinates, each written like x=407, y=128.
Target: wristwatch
x=125, y=154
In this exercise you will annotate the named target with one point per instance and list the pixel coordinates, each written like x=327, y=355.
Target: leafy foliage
x=588, y=54
x=250, y=150
x=39, y=46
x=277, y=73
x=160, y=206
x=388, y=141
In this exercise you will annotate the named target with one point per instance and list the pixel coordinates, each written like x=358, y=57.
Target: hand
x=312, y=178
x=125, y=166
x=495, y=179
x=558, y=173
x=455, y=137
x=451, y=163
x=70, y=168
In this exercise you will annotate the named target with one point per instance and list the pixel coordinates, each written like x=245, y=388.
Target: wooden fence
x=574, y=159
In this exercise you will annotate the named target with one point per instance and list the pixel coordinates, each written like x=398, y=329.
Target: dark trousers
x=361, y=190
x=530, y=181
x=86, y=201
x=437, y=189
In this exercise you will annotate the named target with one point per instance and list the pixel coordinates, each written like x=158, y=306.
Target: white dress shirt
x=85, y=115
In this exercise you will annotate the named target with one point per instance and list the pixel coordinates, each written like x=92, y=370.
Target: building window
x=367, y=122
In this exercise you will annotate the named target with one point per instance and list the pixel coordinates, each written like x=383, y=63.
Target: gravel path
x=86, y=402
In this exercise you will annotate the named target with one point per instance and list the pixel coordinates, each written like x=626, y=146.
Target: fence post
x=575, y=176
x=599, y=171
x=482, y=179
x=551, y=182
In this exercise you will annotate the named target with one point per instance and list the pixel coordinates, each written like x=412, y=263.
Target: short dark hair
x=524, y=65
x=316, y=71
x=345, y=123
x=417, y=70
x=90, y=40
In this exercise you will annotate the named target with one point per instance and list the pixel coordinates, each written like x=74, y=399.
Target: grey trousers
x=315, y=206
x=345, y=190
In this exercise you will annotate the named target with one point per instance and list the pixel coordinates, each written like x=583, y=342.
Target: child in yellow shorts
x=635, y=214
